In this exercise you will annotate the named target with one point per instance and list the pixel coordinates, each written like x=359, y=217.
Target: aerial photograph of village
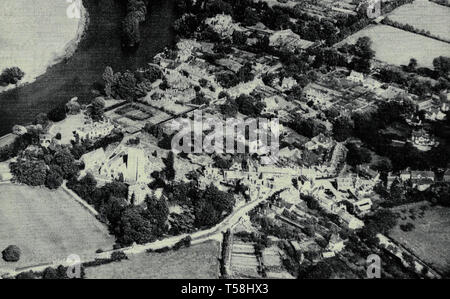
x=225, y=139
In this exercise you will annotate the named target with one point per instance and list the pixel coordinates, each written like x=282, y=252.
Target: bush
x=11, y=253
x=11, y=76
x=117, y=256
x=50, y=273
x=27, y=275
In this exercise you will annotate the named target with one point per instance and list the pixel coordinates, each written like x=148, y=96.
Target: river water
x=99, y=48
x=34, y=33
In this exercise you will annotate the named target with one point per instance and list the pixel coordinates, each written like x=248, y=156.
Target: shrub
x=27, y=275
x=11, y=253
x=11, y=76
x=117, y=256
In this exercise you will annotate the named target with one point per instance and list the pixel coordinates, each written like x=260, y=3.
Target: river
x=99, y=48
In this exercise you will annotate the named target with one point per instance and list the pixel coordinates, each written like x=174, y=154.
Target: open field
x=47, y=226
x=395, y=46
x=197, y=262
x=430, y=239
x=426, y=15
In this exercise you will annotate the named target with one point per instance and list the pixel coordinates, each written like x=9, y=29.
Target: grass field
x=426, y=15
x=197, y=262
x=47, y=225
x=430, y=239
x=395, y=46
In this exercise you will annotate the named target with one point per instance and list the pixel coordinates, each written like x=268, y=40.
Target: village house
x=335, y=244
x=345, y=183
x=368, y=172
x=288, y=40
x=320, y=95
x=95, y=130
x=422, y=180
x=223, y=25
x=186, y=47
x=424, y=104
x=363, y=206
x=320, y=141
x=422, y=140
x=350, y=221
x=356, y=77
x=405, y=175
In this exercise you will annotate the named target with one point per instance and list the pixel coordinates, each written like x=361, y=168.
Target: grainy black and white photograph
x=225, y=145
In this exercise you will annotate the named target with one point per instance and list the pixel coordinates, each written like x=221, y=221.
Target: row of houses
x=421, y=180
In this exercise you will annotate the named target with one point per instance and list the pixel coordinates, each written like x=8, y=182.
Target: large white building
x=127, y=163
x=95, y=130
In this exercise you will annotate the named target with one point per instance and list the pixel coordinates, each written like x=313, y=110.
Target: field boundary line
x=78, y=199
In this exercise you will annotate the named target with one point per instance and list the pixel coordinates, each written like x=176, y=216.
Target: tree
x=239, y=38
x=29, y=172
x=357, y=155
x=136, y=13
x=50, y=273
x=54, y=180
x=41, y=119
x=212, y=205
x=157, y=212
x=245, y=74
x=441, y=194
x=84, y=188
x=442, y=65
x=169, y=171
x=412, y=65
x=249, y=105
x=216, y=7
x=154, y=130
x=360, y=65
x=96, y=109
x=134, y=227
x=306, y=127
x=58, y=113
x=230, y=108
x=64, y=159
x=342, y=128
x=363, y=48
x=11, y=253
x=222, y=163
x=11, y=76
x=227, y=79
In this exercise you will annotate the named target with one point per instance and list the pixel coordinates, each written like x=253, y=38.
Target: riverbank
x=99, y=47
x=47, y=35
